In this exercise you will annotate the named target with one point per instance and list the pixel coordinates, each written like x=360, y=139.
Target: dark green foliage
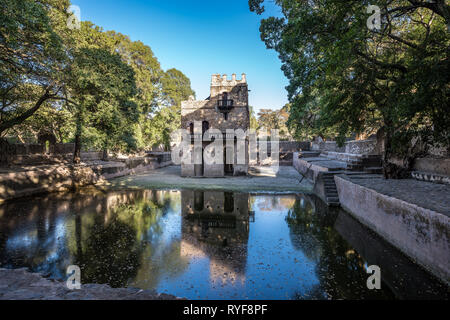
x=345, y=78
x=99, y=89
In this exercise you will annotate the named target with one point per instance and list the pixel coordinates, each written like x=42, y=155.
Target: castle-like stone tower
x=225, y=108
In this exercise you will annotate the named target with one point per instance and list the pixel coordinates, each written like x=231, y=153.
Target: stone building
x=226, y=108
x=220, y=218
x=212, y=221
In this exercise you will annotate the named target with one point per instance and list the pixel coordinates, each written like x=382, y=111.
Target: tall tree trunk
x=392, y=170
x=77, y=152
x=105, y=154
x=79, y=129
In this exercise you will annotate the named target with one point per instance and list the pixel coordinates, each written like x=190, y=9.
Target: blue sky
x=200, y=38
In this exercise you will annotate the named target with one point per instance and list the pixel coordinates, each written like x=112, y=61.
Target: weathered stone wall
x=433, y=165
x=62, y=148
x=28, y=149
x=35, y=154
x=327, y=146
x=192, y=111
x=208, y=110
x=350, y=147
x=308, y=170
x=361, y=147
x=52, y=178
x=19, y=284
x=294, y=146
x=420, y=233
x=290, y=146
x=413, y=284
x=46, y=179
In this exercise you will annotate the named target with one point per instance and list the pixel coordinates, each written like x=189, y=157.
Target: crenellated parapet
x=222, y=80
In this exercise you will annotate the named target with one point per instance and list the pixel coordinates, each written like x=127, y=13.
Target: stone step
x=334, y=204
x=372, y=163
x=309, y=154
x=332, y=199
x=374, y=170
x=372, y=156
x=332, y=196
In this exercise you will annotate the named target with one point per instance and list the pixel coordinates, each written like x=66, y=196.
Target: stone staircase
x=331, y=193
x=320, y=167
x=368, y=163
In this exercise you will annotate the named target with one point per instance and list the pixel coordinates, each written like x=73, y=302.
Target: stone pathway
x=260, y=179
x=19, y=284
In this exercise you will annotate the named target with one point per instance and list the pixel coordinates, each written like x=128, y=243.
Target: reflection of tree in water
x=115, y=246
x=111, y=254
x=32, y=227
x=160, y=260
x=111, y=236
x=339, y=268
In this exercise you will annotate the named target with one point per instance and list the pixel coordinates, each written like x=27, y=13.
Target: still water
x=207, y=245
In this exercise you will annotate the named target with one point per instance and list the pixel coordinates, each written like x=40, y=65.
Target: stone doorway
x=228, y=168
x=199, y=169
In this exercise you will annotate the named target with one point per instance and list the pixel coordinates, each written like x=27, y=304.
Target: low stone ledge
x=420, y=233
x=46, y=179
x=19, y=284
x=430, y=177
x=64, y=177
x=309, y=170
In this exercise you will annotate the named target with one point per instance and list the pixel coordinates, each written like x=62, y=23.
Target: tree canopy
x=96, y=88
x=345, y=77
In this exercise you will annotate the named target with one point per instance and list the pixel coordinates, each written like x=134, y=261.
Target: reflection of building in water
x=215, y=225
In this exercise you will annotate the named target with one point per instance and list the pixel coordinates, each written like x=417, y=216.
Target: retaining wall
x=433, y=165
x=52, y=178
x=421, y=234
x=307, y=169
